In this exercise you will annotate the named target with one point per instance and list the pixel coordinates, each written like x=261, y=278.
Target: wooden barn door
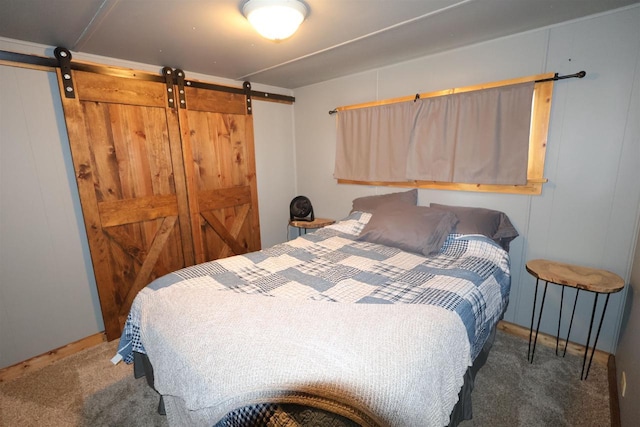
x=217, y=138
x=161, y=187
x=127, y=155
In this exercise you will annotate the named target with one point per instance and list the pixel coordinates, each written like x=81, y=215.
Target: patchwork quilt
x=468, y=282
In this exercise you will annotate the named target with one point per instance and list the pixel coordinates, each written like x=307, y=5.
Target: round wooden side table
x=574, y=276
x=310, y=225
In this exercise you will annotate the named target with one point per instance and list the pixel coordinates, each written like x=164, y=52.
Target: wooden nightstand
x=581, y=278
x=310, y=225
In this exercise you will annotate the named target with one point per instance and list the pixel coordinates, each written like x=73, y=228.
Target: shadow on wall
x=626, y=313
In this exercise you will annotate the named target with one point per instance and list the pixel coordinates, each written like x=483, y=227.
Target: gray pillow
x=493, y=224
x=370, y=203
x=417, y=229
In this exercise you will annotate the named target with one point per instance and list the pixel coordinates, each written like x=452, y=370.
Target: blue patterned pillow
x=491, y=223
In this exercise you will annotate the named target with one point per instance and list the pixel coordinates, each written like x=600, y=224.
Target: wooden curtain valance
x=543, y=90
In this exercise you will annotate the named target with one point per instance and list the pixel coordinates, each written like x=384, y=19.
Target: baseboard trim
x=38, y=362
x=601, y=357
x=614, y=399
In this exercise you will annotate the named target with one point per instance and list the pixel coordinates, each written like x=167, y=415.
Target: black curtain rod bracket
x=579, y=75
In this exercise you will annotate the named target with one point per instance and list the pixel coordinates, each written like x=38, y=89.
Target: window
x=396, y=169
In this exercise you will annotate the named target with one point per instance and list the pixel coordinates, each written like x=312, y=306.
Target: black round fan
x=300, y=209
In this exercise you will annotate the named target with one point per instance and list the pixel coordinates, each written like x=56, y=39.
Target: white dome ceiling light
x=275, y=19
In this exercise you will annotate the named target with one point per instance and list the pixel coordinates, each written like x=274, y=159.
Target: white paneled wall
x=274, y=168
x=588, y=210
x=48, y=296
x=586, y=214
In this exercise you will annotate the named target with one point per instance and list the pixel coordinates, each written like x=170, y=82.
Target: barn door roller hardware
x=171, y=78
x=244, y=90
x=167, y=72
x=180, y=83
x=247, y=91
x=64, y=61
x=63, y=58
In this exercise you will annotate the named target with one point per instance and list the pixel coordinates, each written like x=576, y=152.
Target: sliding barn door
x=217, y=138
x=127, y=155
x=161, y=187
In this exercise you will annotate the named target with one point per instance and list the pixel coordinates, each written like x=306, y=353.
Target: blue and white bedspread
x=365, y=290
x=470, y=276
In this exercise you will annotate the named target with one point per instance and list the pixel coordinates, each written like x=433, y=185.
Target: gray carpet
x=87, y=390
x=509, y=391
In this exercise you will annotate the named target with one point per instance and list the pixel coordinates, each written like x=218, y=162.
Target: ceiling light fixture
x=275, y=19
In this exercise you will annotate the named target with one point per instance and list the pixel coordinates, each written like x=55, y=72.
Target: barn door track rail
x=63, y=60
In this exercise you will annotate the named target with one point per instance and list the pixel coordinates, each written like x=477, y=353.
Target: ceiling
x=339, y=37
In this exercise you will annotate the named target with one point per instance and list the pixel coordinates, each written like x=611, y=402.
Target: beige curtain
x=372, y=143
x=479, y=137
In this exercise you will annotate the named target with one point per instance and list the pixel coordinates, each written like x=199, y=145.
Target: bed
x=381, y=319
